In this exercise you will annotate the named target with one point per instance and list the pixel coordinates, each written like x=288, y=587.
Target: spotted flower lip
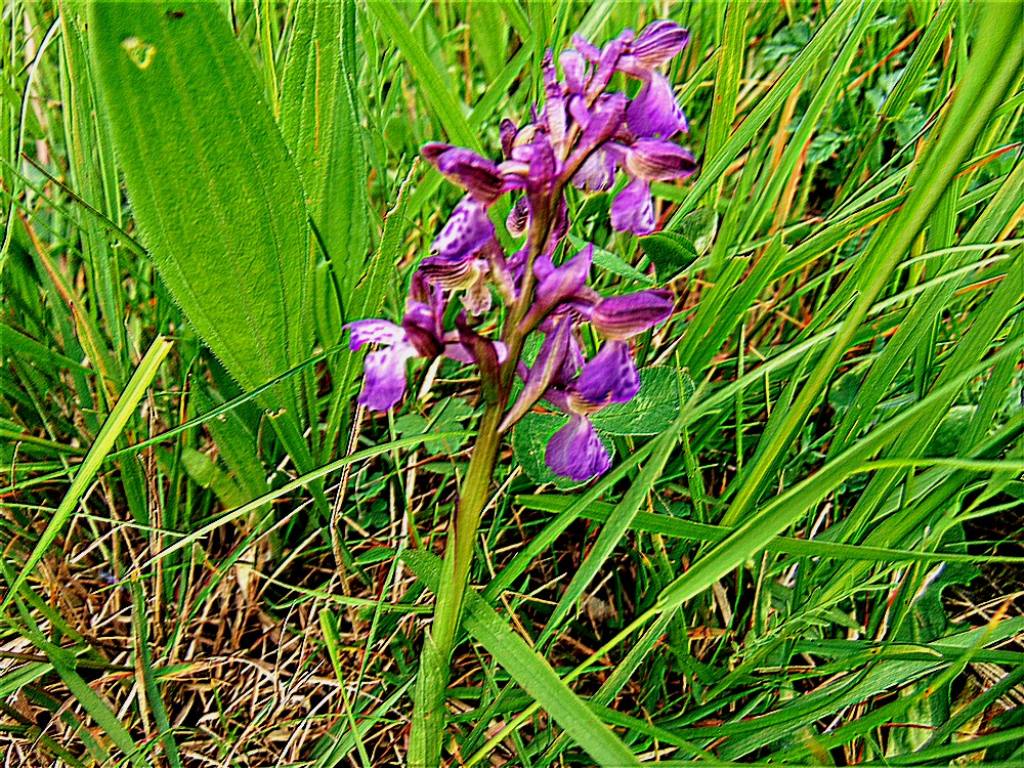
x=466, y=232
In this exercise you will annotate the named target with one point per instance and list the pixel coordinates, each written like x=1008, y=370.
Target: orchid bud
x=477, y=175
x=518, y=218
x=508, y=131
x=622, y=317
x=656, y=160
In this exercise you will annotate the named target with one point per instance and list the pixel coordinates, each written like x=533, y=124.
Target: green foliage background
x=809, y=548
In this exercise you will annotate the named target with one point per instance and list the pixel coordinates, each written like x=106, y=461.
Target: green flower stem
x=428, y=718
x=458, y=556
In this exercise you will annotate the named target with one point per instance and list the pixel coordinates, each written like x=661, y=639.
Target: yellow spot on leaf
x=139, y=51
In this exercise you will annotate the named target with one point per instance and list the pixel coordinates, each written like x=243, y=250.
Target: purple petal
x=655, y=111
x=575, y=451
x=454, y=349
x=658, y=42
x=560, y=283
x=574, y=67
x=604, y=121
x=607, y=64
x=633, y=210
x=658, y=160
x=518, y=218
x=597, y=173
x=374, y=331
x=587, y=50
x=621, y=317
x=610, y=377
x=467, y=230
x=477, y=175
x=543, y=165
x=554, y=102
x=384, y=377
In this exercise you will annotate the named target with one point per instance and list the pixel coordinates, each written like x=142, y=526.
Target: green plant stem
x=458, y=554
x=428, y=719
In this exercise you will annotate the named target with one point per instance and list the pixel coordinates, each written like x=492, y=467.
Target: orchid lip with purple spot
x=467, y=230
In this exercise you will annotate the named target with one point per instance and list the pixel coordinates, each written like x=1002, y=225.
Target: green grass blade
x=119, y=415
x=615, y=529
x=447, y=108
x=714, y=167
x=531, y=671
x=984, y=84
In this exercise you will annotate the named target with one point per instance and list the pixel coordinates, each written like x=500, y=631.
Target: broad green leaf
x=214, y=191
x=655, y=405
x=613, y=263
x=670, y=253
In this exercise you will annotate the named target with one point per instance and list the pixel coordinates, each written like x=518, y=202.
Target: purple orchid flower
x=560, y=375
x=582, y=134
x=421, y=334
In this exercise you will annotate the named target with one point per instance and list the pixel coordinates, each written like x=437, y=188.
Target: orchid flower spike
x=583, y=134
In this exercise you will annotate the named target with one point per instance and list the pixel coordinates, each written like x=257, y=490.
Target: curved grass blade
x=119, y=415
